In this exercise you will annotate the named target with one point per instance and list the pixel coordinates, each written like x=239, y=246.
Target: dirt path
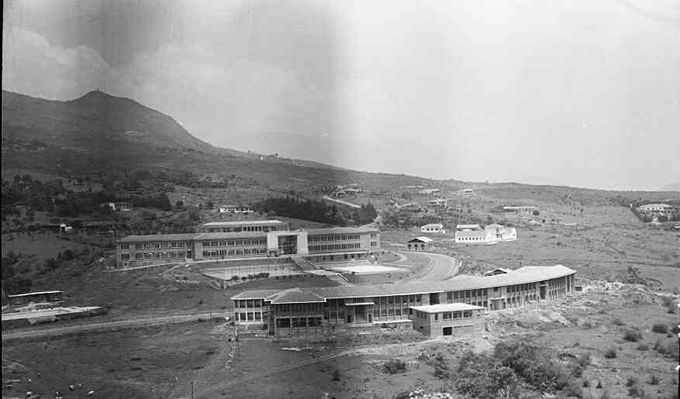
x=111, y=325
x=441, y=267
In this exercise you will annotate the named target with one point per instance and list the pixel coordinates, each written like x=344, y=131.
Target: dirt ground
x=135, y=363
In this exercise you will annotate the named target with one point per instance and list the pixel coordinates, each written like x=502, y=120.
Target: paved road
x=110, y=325
x=441, y=267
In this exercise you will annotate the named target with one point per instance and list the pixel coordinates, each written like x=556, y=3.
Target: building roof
x=445, y=307
x=159, y=237
x=421, y=239
x=524, y=275
x=468, y=227
x=655, y=205
x=34, y=293
x=498, y=270
x=294, y=295
x=342, y=230
x=224, y=236
x=243, y=223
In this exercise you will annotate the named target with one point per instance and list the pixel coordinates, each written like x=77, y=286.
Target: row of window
x=334, y=238
x=214, y=253
x=156, y=255
x=333, y=247
x=156, y=245
x=473, y=238
x=235, y=243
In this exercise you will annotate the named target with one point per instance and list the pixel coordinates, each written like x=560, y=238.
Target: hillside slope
x=101, y=135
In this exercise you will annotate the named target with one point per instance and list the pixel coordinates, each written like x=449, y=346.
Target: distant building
x=119, y=206
x=433, y=228
x=497, y=271
x=234, y=209
x=419, y=244
x=657, y=209
x=468, y=191
x=248, y=239
x=491, y=234
x=429, y=191
x=438, y=203
x=35, y=297
x=519, y=210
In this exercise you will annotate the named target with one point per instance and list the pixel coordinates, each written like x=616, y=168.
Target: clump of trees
x=513, y=367
x=297, y=208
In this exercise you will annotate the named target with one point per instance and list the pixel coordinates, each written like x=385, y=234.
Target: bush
x=632, y=336
x=336, y=375
x=610, y=353
x=394, y=366
x=599, y=384
x=631, y=381
x=642, y=347
x=660, y=328
x=653, y=380
x=618, y=322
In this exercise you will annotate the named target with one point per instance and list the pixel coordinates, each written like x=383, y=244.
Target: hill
x=670, y=187
x=100, y=135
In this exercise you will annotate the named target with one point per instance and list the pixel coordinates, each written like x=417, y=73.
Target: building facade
x=229, y=240
x=419, y=244
x=448, y=319
x=491, y=234
x=318, y=309
x=433, y=228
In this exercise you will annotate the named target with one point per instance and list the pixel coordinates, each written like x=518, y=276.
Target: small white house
x=433, y=228
x=491, y=234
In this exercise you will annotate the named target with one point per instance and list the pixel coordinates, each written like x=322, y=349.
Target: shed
x=420, y=244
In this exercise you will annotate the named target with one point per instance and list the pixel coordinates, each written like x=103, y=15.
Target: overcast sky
x=580, y=93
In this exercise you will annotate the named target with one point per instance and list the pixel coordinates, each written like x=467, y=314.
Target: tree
x=179, y=204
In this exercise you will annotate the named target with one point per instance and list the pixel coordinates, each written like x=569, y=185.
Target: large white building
x=491, y=234
x=657, y=209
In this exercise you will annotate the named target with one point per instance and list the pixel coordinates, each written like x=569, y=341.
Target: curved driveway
x=441, y=267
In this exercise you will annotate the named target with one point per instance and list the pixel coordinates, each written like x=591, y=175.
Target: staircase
x=304, y=264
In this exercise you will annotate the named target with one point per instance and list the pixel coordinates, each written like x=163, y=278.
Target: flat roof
x=342, y=230
x=159, y=237
x=433, y=225
x=445, y=307
x=243, y=223
x=225, y=236
x=523, y=275
x=34, y=293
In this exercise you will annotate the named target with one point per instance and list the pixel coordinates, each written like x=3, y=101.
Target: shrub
x=610, y=353
x=653, y=380
x=394, y=366
x=599, y=384
x=336, y=375
x=642, y=347
x=631, y=381
x=632, y=336
x=586, y=384
x=636, y=391
x=618, y=322
x=660, y=328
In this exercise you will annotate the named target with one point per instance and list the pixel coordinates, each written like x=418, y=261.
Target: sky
x=584, y=94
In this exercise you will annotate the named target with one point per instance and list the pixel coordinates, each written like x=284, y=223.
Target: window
x=446, y=315
x=124, y=246
x=125, y=256
x=436, y=317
